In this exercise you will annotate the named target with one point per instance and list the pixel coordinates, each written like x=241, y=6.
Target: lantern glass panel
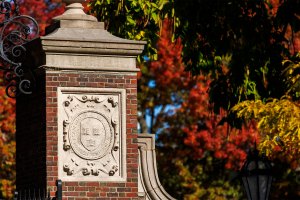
x=256, y=178
x=263, y=184
x=250, y=183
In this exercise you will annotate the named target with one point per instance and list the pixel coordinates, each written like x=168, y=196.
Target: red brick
x=92, y=194
x=131, y=194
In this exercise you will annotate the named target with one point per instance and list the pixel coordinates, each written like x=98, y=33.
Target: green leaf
x=130, y=20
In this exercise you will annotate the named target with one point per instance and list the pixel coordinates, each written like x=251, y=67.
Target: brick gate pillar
x=80, y=125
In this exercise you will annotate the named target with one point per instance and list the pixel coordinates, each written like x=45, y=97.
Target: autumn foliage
x=190, y=135
x=41, y=10
x=7, y=144
x=199, y=152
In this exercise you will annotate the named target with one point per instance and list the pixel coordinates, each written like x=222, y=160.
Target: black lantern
x=256, y=177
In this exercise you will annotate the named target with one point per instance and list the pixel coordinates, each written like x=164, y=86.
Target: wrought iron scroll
x=16, y=31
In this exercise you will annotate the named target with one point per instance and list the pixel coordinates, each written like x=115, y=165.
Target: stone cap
x=74, y=11
x=89, y=40
x=75, y=33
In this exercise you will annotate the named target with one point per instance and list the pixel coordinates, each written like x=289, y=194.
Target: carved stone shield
x=92, y=133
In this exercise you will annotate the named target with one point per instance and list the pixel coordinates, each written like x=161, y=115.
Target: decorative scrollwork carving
x=85, y=99
x=65, y=137
x=112, y=101
x=15, y=31
x=68, y=170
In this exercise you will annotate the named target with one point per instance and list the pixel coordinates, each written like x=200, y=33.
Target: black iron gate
x=39, y=194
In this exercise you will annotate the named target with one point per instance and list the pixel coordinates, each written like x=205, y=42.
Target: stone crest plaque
x=91, y=134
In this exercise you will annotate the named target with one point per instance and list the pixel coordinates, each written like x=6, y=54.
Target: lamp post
x=256, y=177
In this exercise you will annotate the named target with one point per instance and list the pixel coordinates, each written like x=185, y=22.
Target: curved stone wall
x=149, y=186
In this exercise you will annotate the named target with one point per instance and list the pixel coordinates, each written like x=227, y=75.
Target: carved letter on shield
x=91, y=134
